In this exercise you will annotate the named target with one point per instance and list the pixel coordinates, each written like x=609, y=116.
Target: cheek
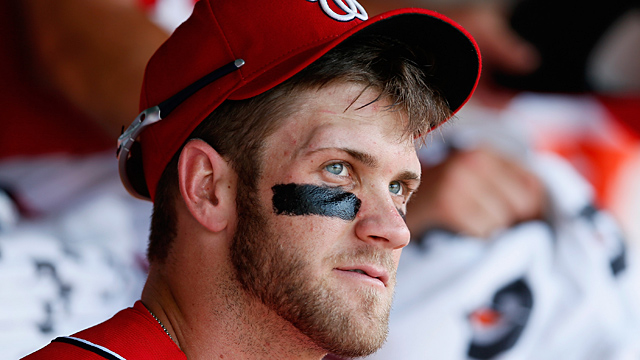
x=307, y=231
x=396, y=259
x=396, y=256
x=311, y=237
x=312, y=221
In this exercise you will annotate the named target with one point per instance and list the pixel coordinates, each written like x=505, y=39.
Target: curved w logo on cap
x=352, y=10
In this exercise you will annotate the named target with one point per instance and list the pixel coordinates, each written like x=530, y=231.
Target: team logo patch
x=497, y=327
x=351, y=9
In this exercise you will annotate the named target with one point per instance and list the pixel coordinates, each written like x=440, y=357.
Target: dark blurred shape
x=565, y=32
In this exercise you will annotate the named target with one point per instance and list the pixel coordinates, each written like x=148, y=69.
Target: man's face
x=320, y=238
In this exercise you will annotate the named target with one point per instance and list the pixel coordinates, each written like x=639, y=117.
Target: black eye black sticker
x=297, y=199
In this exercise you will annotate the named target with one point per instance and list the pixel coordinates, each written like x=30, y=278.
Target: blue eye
x=395, y=187
x=337, y=169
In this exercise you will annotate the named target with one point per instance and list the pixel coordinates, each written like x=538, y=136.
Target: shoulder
x=131, y=334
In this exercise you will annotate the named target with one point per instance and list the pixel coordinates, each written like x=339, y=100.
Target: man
x=278, y=147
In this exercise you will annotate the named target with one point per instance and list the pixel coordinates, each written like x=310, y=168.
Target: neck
x=222, y=320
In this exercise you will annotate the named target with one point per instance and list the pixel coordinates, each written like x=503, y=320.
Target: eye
x=337, y=169
x=396, y=188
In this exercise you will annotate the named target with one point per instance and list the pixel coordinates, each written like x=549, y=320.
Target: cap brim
x=456, y=67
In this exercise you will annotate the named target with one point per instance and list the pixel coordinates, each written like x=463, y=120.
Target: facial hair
x=281, y=278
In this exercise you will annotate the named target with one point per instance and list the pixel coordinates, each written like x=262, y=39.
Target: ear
x=207, y=185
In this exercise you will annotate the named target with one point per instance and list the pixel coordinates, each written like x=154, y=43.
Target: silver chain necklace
x=161, y=324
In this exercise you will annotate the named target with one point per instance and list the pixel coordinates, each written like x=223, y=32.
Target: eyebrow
x=364, y=158
x=408, y=175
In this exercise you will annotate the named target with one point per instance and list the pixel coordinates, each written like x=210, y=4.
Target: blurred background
x=540, y=256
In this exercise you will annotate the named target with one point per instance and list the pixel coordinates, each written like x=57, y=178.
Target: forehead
x=342, y=115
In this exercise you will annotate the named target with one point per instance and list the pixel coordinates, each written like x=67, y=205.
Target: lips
x=372, y=272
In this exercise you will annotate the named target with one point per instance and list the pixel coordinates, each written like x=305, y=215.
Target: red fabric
x=601, y=162
x=132, y=333
x=149, y=4
x=36, y=120
x=625, y=109
x=146, y=4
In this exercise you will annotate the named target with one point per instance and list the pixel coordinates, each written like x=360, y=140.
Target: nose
x=380, y=224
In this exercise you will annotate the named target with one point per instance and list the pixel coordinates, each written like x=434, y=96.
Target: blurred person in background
x=512, y=256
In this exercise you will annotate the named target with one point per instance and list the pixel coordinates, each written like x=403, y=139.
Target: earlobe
x=205, y=179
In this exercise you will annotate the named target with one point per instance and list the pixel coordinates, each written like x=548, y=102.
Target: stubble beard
x=282, y=280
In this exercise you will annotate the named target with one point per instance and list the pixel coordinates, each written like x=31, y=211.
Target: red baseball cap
x=241, y=48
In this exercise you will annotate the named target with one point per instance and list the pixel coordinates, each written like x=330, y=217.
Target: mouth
x=376, y=275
